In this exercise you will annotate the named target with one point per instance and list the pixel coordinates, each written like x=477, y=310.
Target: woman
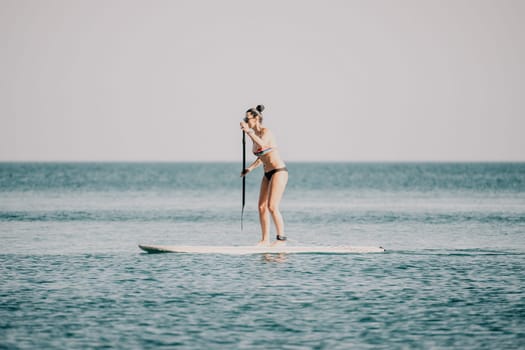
x=275, y=174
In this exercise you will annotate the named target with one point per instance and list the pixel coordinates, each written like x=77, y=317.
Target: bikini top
x=262, y=151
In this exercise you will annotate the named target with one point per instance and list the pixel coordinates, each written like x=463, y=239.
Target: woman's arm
x=263, y=141
x=251, y=167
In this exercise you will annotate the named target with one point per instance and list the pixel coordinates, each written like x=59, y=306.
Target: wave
x=116, y=216
x=383, y=217
x=460, y=252
x=222, y=215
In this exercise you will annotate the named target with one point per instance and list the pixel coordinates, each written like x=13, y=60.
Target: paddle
x=244, y=177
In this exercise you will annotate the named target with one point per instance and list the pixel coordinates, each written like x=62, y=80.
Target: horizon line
x=288, y=161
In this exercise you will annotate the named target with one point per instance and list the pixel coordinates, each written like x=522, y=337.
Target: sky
x=349, y=80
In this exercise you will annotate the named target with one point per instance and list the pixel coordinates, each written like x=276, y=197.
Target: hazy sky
x=370, y=80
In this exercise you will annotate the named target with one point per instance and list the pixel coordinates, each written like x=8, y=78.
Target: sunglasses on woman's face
x=246, y=119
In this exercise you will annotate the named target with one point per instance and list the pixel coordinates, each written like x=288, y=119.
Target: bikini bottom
x=270, y=173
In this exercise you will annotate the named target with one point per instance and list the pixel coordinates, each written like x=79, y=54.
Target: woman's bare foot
x=262, y=243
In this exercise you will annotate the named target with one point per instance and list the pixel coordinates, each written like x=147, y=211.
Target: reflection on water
x=278, y=258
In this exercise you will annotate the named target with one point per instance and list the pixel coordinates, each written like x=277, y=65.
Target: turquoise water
x=73, y=277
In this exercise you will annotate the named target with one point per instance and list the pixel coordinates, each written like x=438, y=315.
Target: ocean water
x=72, y=277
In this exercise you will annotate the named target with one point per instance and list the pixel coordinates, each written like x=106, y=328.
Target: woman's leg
x=276, y=191
x=264, y=218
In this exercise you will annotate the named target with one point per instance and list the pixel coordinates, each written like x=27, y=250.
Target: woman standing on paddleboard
x=275, y=174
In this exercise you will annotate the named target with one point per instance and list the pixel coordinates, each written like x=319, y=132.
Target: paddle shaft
x=244, y=177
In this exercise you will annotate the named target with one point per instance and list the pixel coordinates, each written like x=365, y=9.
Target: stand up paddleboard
x=243, y=250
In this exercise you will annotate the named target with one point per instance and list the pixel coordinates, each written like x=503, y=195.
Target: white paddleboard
x=241, y=250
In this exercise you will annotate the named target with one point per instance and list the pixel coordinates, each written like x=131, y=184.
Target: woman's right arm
x=262, y=142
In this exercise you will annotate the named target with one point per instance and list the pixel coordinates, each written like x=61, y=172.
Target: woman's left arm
x=251, y=167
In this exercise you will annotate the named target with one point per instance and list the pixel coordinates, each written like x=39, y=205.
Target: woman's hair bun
x=259, y=108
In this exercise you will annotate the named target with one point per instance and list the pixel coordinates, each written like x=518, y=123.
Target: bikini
x=262, y=152
x=270, y=173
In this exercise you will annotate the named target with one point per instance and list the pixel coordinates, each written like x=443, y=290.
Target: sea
x=72, y=275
